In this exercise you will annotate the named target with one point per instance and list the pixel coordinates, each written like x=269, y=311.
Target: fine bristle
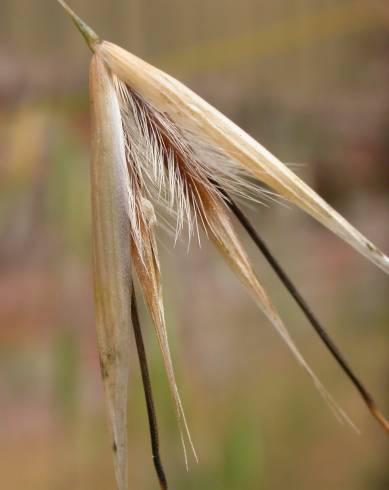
x=171, y=162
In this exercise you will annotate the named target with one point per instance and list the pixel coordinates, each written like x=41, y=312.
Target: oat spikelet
x=180, y=164
x=155, y=140
x=191, y=111
x=111, y=256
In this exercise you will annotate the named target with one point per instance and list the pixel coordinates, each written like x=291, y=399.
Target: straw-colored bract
x=111, y=256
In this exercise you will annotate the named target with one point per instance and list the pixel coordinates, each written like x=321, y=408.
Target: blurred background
x=309, y=79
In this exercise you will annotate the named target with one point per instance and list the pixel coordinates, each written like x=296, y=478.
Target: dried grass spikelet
x=111, y=256
x=186, y=176
x=189, y=110
x=156, y=143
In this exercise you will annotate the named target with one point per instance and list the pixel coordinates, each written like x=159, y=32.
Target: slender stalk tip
x=380, y=417
x=89, y=34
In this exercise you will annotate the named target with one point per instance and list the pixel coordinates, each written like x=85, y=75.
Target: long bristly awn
x=160, y=152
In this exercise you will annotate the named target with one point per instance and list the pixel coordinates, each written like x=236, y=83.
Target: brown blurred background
x=309, y=79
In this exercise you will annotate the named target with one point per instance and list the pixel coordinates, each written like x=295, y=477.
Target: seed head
x=161, y=154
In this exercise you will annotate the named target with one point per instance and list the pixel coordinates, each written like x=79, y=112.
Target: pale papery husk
x=111, y=257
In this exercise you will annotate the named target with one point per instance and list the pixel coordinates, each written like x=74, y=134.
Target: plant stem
x=148, y=393
x=89, y=35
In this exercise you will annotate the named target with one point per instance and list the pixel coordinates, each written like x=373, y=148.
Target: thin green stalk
x=89, y=34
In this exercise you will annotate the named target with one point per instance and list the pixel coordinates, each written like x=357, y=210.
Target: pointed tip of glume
x=88, y=33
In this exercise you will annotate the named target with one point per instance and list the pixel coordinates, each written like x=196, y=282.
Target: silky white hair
x=154, y=144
